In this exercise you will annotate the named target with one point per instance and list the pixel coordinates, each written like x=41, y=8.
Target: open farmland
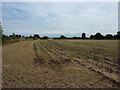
x=61, y=64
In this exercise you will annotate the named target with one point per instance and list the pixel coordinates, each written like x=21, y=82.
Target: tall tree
x=109, y=36
x=83, y=35
x=98, y=36
x=118, y=34
x=62, y=37
x=91, y=36
x=45, y=37
x=36, y=36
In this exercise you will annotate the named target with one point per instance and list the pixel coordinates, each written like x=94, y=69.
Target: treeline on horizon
x=16, y=37
x=83, y=36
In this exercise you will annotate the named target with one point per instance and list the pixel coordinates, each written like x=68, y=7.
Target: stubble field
x=61, y=64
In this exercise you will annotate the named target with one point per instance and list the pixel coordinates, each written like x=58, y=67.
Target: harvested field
x=61, y=64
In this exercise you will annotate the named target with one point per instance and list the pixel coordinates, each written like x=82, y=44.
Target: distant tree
x=45, y=37
x=118, y=35
x=36, y=36
x=98, y=36
x=92, y=37
x=23, y=36
x=26, y=37
x=31, y=36
x=62, y=37
x=109, y=36
x=83, y=35
x=75, y=37
x=5, y=38
x=17, y=36
x=115, y=36
x=13, y=35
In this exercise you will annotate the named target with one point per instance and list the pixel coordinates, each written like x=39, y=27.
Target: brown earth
x=60, y=64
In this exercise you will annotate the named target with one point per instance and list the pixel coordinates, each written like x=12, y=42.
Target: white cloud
x=60, y=0
x=60, y=17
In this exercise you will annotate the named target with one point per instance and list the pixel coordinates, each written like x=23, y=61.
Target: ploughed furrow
x=78, y=53
x=50, y=58
x=106, y=72
x=42, y=54
x=61, y=61
x=108, y=66
x=38, y=57
x=101, y=65
x=55, y=57
x=106, y=62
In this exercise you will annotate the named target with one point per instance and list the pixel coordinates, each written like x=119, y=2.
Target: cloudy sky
x=56, y=18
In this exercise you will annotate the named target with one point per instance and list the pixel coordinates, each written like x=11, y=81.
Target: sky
x=0, y=11
x=59, y=18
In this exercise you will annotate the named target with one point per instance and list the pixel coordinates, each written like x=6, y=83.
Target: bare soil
x=61, y=64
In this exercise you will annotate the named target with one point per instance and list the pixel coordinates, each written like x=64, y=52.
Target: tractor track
x=104, y=65
x=104, y=61
x=107, y=60
x=43, y=64
x=87, y=64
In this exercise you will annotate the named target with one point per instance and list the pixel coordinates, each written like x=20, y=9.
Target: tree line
x=37, y=36
x=95, y=36
x=83, y=36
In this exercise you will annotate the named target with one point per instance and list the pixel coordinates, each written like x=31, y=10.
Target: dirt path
x=35, y=64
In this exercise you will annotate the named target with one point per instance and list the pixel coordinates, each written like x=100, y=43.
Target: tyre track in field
x=37, y=58
x=105, y=64
x=101, y=66
x=106, y=60
x=52, y=59
x=92, y=67
x=55, y=58
x=55, y=65
x=60, y=62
